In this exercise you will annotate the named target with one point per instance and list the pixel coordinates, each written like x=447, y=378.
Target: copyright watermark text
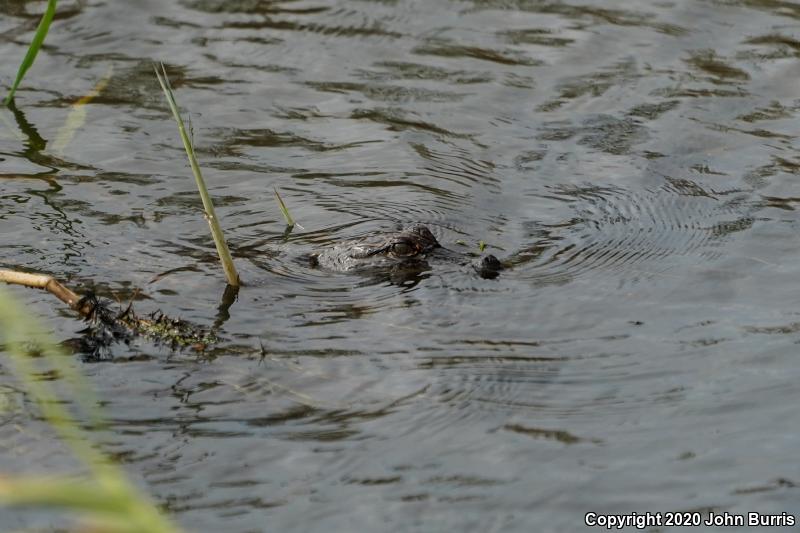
x=648, y=519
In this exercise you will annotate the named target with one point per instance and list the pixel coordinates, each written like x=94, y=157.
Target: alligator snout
x=488, y=266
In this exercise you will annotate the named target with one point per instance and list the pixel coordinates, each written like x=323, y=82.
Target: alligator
x=407, y=250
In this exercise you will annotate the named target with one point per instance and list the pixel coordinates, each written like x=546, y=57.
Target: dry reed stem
x=48, y=283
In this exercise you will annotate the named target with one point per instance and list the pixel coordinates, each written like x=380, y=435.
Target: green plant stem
x=33, y=49
x=286, y=215
x=216, y=231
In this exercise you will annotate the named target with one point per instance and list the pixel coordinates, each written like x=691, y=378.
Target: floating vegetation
x=107, y=326
x=481, y=245
x=216, y=231
x=33, y=49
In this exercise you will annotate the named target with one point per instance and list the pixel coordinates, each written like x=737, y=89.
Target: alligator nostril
x=490, y=261
x=489, y=267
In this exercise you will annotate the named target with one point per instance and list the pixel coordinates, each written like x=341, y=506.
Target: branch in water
x=107, y=326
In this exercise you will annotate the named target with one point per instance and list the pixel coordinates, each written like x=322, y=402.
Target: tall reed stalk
x=216, y=231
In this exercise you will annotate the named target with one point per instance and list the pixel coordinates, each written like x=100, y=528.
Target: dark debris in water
x=107, y=327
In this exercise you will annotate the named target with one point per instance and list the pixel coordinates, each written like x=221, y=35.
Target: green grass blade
x=284, y=209
x=33, y=49
x=216, y=231
x=107, y=494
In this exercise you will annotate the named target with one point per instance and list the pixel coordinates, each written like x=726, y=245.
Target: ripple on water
x=457, y=166
x=618, y=232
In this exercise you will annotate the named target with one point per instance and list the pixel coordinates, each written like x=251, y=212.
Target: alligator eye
x=402, y=249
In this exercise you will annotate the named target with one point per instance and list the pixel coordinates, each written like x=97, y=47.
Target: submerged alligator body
x=408, y=249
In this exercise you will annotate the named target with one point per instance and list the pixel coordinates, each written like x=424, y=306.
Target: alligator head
x=408, y=248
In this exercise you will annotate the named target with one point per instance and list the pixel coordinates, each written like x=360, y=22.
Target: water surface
x=634, y=163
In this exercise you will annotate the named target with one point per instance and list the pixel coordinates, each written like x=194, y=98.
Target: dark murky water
x=636, y=163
